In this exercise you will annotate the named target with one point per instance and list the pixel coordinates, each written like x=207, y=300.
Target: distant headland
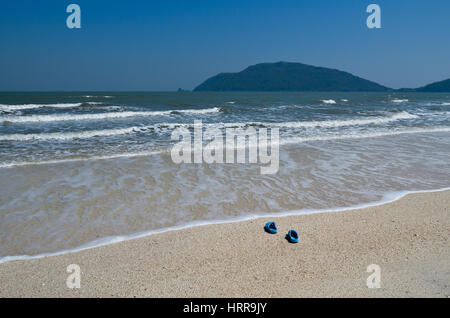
x=287, y=76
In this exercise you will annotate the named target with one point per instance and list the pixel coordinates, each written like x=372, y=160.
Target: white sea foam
x=439, y=104
x=72, y=135
x=328, y=101
x=92, y=96
x=34, y=106
x=305, y=124
x=358, y=135
x=388, y=197
x=342, y=123
x=136, y=129
x=199, y=111
x=104, y=157
x=396, y=100
x=100, y=116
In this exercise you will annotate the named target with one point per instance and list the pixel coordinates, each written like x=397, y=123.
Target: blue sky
x=163, y=45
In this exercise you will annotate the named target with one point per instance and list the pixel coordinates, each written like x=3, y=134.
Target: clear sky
x=164, y=45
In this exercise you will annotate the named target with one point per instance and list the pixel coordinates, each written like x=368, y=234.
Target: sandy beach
x=408, y=239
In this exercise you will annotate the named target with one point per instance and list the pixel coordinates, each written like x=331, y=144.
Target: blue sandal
x=292, y=236
x=271, y=228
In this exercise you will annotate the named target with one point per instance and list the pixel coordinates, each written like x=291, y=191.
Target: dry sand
x=408, y=239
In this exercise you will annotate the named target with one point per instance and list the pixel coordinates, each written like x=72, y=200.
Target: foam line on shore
x=106, y=157
x=386, y=199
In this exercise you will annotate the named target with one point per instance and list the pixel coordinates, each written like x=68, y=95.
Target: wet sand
x=408, y=239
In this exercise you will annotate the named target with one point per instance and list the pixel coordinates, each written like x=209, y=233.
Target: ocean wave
x=100, y=116
x=283, y=141
x=328, y=101
x=396, y=100
x=73, y=135
x=34, y=106
x=196, y=111
x=96, y=96
x=104, y=157
x=302, y=124
x=342, y=123
x=163, y=126
x=437, y=104
x=358, y=135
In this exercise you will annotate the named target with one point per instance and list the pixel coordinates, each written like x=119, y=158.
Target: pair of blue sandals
x=291, y=236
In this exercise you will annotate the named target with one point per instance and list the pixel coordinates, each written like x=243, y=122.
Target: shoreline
x=387, y=198
x=407, y=237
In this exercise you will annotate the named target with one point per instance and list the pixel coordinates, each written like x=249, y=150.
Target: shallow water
x=77, y=167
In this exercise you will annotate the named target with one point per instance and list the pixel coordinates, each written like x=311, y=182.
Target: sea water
x=80, y=168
